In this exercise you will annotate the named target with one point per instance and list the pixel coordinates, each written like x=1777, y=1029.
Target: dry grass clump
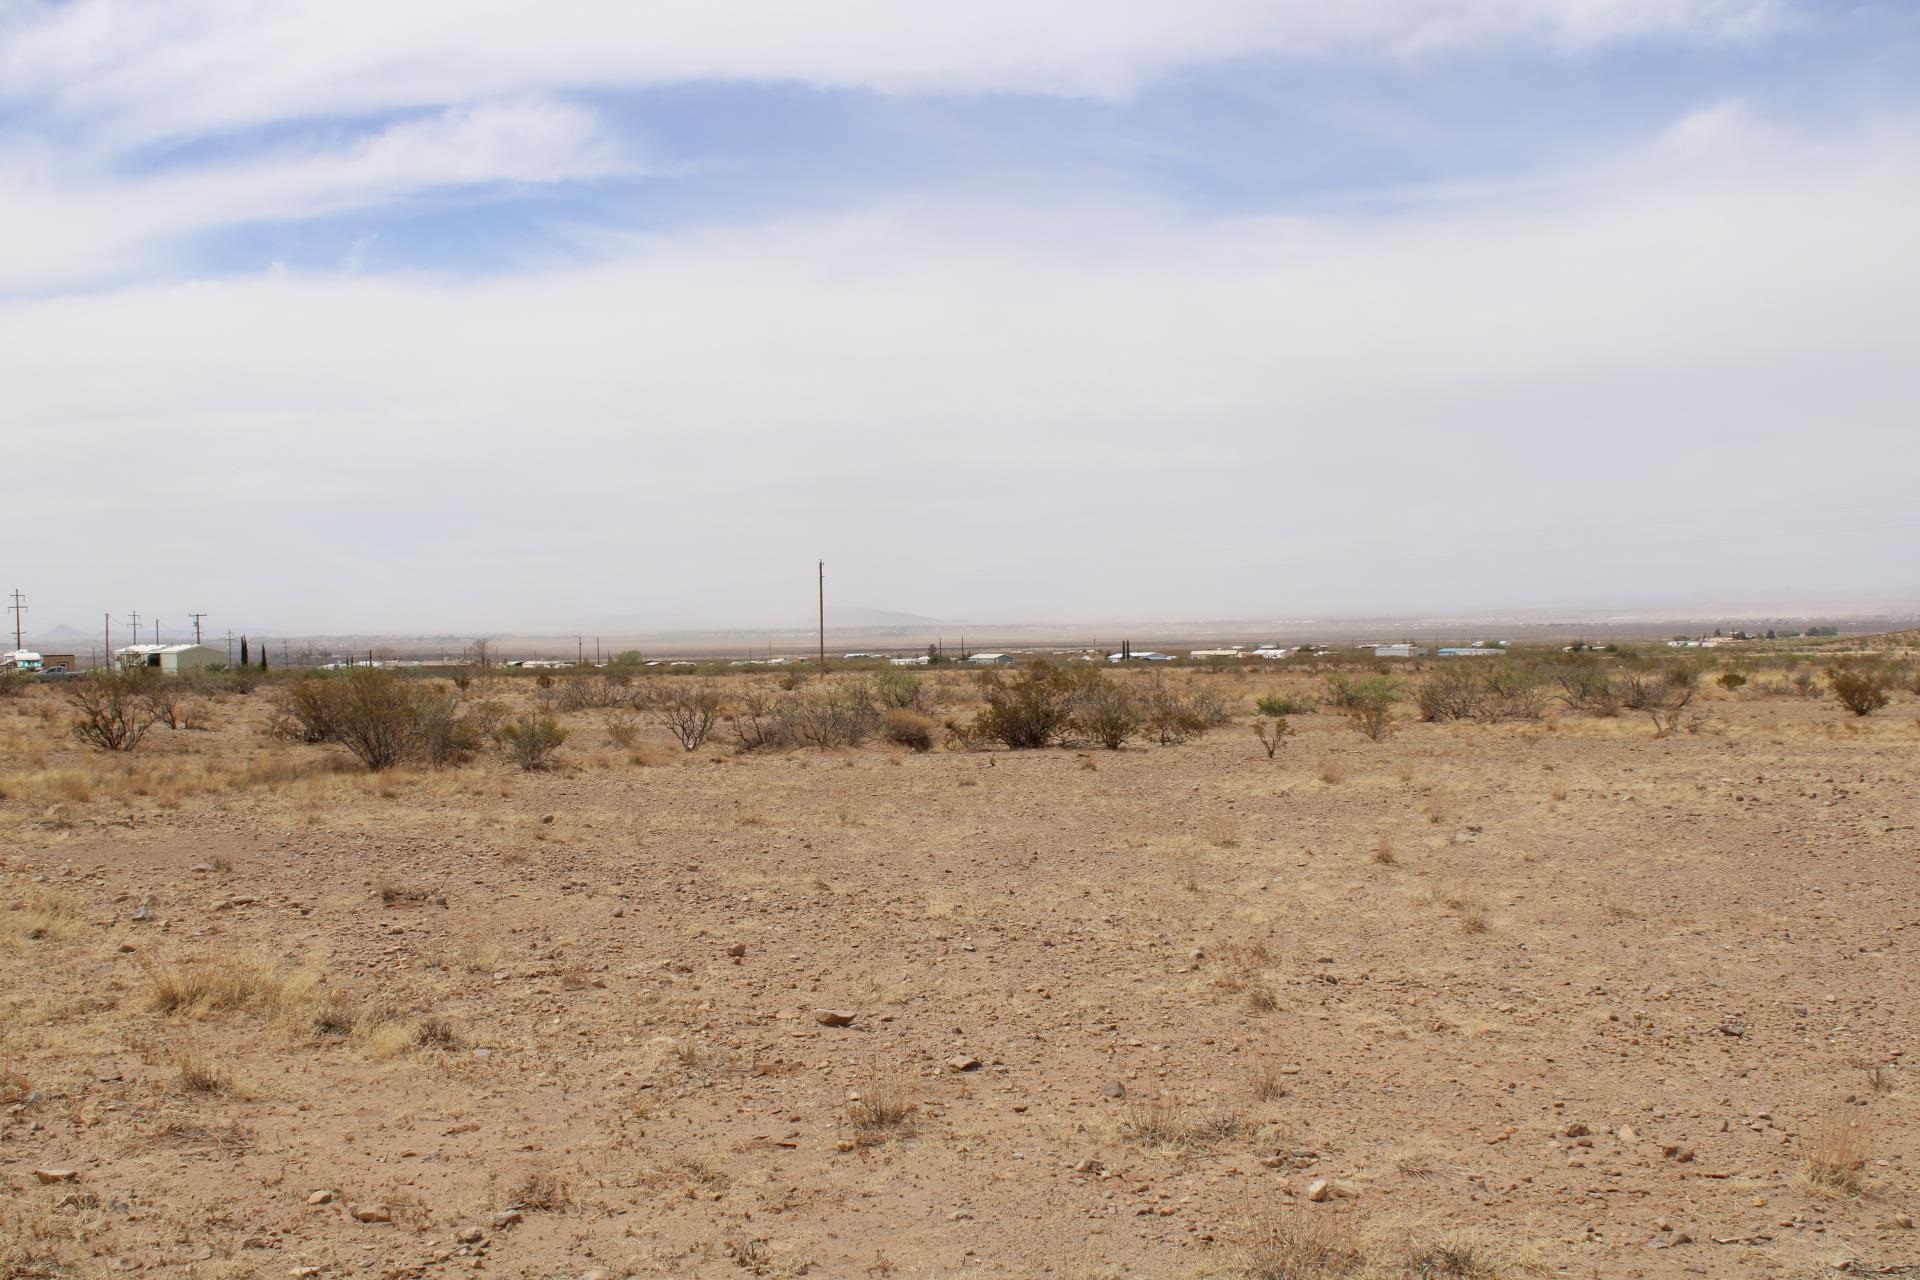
x=196, y=987
x=34, y=1241
x=1322, y=1246
x=1468, y=910
x=197, y=1075
x=1170, y=1124
x=1221, y=834
x=407, y=895
x=885, y=1108
x=1834, y=1161
x=1383, y=849
x=543, y=1191
x=1268, y=1084
x=1332, y=772
x=41, y=914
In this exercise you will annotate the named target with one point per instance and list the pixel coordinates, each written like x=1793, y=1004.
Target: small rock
x=142, y=914
x=1319, y=1190
x=1627, y=1133
x=507, y=1218
x=51, y=1176
x=1904, y=1221
x=470, y=1235
x=1114, y=1090
x=963, y=1062
x=834, y=1017
x=320, y=1197
x=1575, y=1130
x=737, y=950
x=373, y=1213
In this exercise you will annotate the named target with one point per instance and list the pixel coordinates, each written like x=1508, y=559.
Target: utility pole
x=133, y=626
x=823, y=617
x=196, y=625
x=579, y=651
x=106, y=636
x=19, y=607
x=229, y=646
x=156, y=631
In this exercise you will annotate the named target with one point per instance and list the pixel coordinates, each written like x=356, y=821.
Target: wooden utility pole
x=106, y=636
x=19, y=607
x=823, y=617
x=196, y=625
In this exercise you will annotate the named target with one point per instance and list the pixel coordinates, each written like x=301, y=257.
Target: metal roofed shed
x=170, y=659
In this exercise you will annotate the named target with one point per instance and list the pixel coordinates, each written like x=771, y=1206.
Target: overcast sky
x=349, y=315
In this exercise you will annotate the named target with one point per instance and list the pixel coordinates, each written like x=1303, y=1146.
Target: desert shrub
x=1451, y=693
x=1032, y=709
x=759, y=726
x=1860, y=689
x=1272, y=732
x=1282, y=704
x=114, y=709
x=1171, y=717
x=831, y=716
x=687, y=711
x=1340, y=691
x=587, y=691
x=303, y=710
x=446, y=736
x=1104, y=713
x=1803, y=682
x=908, y=728
x=623, y=727
x=1514, y=690
x=531, y=741
x=894, y=687
x=376, y=715
x=1586, y=685
x=1731, y=680
x=1371, y=705
x=11, y=685
x=1212, y=708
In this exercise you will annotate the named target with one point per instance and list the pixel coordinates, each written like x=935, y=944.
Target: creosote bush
x=1860, y=689
x=531, y=741
x=910, y=729
x=688, y=711
x=114, y=709
x=1369, y=705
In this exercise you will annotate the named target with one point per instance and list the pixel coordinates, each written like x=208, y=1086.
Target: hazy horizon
x=329, y=317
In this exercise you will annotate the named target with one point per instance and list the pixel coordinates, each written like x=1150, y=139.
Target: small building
x=991, y=659
x=1470, y=653
x=1140, y=655
x=21, y=662
x=59, y=662
x=918, y=660
x=1201, y=655
x=1398, y=651
x=170, y=659
x=1271, y=653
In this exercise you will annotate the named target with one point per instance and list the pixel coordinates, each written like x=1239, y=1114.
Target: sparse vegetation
x=532, y=741
x=1834, y=1159
x=1861, y=689
x=689, y=711
x=114, y=709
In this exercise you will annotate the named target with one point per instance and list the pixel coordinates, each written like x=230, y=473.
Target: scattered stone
x=51, y=1176
x=1627, y=1133
x=320, y=1197
x=1114, y=1089
x=508, y=1218
x=470, y=1235
x=737, y=950
x=1319, y=1190
x=1575, y=1130
x=1904, y=1221
x=142, y=914
x=834, y=1017
x=373, y=1213
x=963, y=1062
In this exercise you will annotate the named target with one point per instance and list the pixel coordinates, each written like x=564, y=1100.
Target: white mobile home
x=169, y=659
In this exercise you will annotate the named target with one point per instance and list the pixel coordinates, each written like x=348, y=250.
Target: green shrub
x=1032, y=709
x=1731, y=680
x=1282, y=704
x=1370, y=705
x=531, y=741
x=115, y=708
x=894, y=687
x=1105, y=714
x=1860, y=689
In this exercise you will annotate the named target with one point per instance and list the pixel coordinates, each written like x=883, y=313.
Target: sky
x=329, y=316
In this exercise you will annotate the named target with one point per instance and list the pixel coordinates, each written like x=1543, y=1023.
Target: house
x=1201, y=655
x=170, y=659
x=21, y=661
x=1144, y=655
x=991, y=659
x=59, y=662
x=1270, y=653
x=918, y=660
x=1398, y=651
x=1470, y=653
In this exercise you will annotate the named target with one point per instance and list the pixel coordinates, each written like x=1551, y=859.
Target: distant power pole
x=19, y=607
x=579, y=651
x=823, y=617
x=156, y=631
x=229, y=646
x=196, y=625
x=133, y=626
x=106, y=636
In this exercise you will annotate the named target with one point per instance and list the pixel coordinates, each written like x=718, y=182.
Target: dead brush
x=543, y=1191
x=1833, y=1161
x=1173, y=1125
x=1383, y=849
x=1332, y=772
x=1221, y=834
x=1319, y=1246
x=407, y=895
x=885, y=1108
x=196, y=987
x=1268, y=1084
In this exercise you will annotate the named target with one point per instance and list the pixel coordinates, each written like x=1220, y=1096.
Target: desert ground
x=1552, y=997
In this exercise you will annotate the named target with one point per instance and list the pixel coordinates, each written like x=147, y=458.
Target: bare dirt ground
x=1583, y=999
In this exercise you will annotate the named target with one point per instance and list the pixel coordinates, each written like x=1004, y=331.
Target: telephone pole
x=229, y=646
x=133, y=626
x=106, y=635
x=196, y=625
x=19, y=607
x=823, y=617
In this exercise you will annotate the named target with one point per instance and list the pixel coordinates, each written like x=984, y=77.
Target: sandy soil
x=1591, y=997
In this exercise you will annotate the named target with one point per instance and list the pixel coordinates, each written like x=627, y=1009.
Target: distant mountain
x=855, y=616
x=62, y=637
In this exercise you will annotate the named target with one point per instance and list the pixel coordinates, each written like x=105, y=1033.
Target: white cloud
x=1079, y=414
x=150, y=70
x=64, y=226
